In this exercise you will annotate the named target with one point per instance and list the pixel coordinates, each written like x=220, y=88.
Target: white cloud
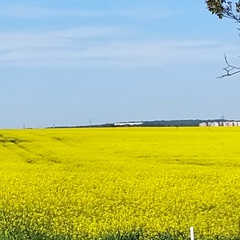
x=55, y=39
x=28, y=11
x=24, y=11
x=96, y=46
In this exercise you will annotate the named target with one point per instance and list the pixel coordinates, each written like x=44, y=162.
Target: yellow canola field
x=93, y=181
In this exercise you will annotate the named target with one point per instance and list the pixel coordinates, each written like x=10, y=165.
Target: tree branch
x=231, y=10
x=223, y=8
x=229, y=69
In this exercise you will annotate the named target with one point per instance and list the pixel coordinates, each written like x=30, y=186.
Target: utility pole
x=223, y=117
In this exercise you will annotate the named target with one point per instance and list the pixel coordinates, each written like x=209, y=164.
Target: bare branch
x=229, y=69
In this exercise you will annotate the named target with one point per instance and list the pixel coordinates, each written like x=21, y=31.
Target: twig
x=229, y=69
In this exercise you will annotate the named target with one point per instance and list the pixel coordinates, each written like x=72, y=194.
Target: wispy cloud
x=24, y=11
x=97, y=46
x=28, y=11
x=56, y=39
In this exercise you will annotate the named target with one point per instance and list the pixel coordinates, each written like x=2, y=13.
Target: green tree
x=231, y=10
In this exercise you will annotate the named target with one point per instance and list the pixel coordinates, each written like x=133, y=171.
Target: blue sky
x=66, y=62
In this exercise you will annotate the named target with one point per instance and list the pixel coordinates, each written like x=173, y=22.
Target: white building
x=223, y=123
x=203, y=124
x=121, y=124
